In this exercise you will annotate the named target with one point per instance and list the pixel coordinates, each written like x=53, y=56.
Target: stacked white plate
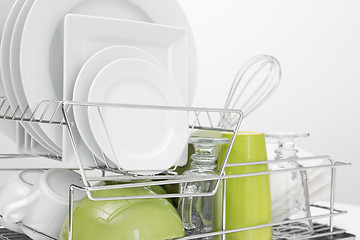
x=137, y=52
x=7, y=128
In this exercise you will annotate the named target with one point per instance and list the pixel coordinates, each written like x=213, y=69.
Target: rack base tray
x=6, y=234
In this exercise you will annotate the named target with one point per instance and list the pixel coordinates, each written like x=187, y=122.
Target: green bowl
x=155, y=188
x=136, y=219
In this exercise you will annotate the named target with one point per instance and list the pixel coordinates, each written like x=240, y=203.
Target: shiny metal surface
x=199, y=118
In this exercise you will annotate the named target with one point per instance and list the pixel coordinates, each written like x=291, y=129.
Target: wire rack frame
x=61, y=113
x=58, y=113
x=322, y=231
x=199, y=119
x=46, y=111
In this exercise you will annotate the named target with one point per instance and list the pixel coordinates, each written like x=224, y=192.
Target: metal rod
x=275, y=161
x=158, y=183
x=222, y=169
x=36, y=231
x=169, y=195
x=224, y=209
x=332, y=197
x=45, y=111
x=76, y=151
x=162, y=177
x=258, y=226
x=155, y=107
x=54, y=113
x=2, y=102
x=35, y=111
x=335, y=213
x=14, y=114
x=108, y=137
x=71, y=209
x=186, y=179
x=168, y=178
x=6, y=111
x=24, y=113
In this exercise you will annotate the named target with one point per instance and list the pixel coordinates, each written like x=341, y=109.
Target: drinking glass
x=248, y=200
x=202, y=214
x=297, y=205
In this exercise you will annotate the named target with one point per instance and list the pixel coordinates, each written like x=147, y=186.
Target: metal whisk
x=256, y=80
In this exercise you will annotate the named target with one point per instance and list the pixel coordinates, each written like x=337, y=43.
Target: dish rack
x=60, y=113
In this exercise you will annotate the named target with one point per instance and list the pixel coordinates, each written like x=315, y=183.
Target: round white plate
x=41, y=46
x=86, y=77
x=138, y=140
x=5, y=7
x=51, y=142
x=6, y=43
x=5, y=52
x=7, y=127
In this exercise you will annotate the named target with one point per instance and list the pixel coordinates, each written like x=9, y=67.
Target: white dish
x=166, y=43
x=7, y=82
x=16, y=189
x=28, y=149
x=8, y=128
x=13, y=85
x=86, y=77
x=38, y=149
x=47, y=201
x=143, y=140
x=5, y=8
x=20, y=138
x=41, y=48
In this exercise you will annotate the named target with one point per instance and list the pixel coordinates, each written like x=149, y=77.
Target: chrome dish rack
x=60, y=113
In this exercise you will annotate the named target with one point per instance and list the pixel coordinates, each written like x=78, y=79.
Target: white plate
x=42, y=40
x=6, y=68
x=5, y=7
x=8, y=128
x=20, y=138
x=86, y=77
x=169, y=44
x=13, y=85
x=166, y=43
x=142, y=139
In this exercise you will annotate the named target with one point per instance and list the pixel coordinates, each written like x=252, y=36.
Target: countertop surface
x=350, y=221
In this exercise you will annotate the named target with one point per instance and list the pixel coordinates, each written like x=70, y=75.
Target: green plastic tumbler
x=248, y=201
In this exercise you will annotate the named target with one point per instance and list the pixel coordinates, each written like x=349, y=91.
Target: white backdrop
x=318, y=46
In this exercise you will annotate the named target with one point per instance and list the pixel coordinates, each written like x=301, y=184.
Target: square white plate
x=86, y=35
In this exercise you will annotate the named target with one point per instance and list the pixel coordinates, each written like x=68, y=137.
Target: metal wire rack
x=6, y=234
x=61, y=113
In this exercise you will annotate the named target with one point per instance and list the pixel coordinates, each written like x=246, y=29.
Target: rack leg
x=71, y=206
x=332, y=198
x=224, y=209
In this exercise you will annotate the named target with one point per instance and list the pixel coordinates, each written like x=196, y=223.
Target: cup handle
x=15, y=211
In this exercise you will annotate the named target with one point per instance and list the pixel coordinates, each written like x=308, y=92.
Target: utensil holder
x=59, y=113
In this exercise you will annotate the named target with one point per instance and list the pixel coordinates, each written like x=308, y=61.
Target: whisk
x=256, y=80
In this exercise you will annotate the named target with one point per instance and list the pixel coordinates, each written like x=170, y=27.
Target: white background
x=318, y=46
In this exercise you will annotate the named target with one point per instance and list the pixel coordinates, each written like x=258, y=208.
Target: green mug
x=248, y=200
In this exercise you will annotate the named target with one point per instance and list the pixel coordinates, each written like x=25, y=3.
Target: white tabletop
x=350, y=221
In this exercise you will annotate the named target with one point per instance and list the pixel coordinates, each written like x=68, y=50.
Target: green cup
x=146, y=219
x=248, y=201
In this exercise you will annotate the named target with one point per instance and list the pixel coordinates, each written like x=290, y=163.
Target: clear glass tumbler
x=297, y=193
x=202, y=214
